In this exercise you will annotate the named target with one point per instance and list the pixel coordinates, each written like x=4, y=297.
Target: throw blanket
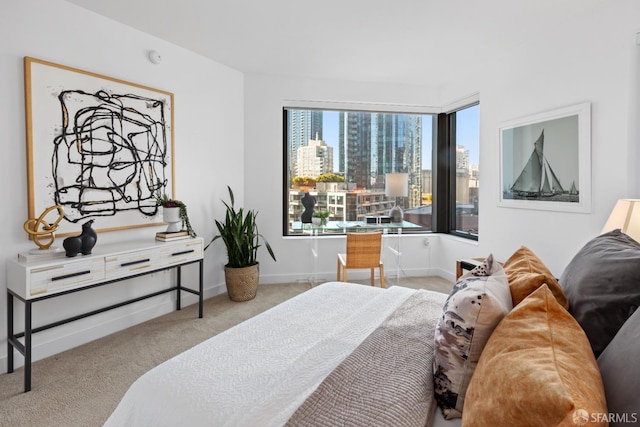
x=387, y=380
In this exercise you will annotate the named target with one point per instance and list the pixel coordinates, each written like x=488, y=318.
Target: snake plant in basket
x=239, y=232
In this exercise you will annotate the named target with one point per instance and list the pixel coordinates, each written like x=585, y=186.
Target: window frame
x=446, y=166
x=443, y=161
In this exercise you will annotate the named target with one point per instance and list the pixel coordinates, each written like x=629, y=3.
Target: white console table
x=58, y=275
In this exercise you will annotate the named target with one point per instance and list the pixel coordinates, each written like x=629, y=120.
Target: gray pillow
x=619, y=378
x=602, y=284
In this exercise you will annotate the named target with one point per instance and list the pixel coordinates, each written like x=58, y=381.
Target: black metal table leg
x=27, y=346
x=201, y=294
x=9, y=332
x=178, y=285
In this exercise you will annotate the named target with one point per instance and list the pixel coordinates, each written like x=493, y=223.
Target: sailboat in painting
x=573, y=189
x=538, y=180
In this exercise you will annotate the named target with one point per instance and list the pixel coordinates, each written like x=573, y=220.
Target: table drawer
x=180, y=252
x=56, y=278
x=131, y=263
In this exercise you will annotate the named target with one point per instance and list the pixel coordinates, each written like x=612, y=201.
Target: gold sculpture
x=40, y=229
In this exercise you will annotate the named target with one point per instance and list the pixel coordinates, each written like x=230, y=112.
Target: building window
x=341, y=158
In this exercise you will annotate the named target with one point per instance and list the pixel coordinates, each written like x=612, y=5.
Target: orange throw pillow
x=537, y=369
x=526, y=273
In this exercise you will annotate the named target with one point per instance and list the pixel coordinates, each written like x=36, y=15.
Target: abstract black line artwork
x=100, y=147
x=116, y=144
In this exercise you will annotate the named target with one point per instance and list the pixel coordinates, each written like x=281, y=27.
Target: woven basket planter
x=242, y=283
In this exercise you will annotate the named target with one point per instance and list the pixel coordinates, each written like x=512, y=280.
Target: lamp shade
x=396, y=185
x=625, y=216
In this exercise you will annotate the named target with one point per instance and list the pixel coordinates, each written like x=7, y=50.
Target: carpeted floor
x=82, y=386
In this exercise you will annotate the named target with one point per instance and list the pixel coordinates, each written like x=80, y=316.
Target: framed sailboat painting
x=545, y=161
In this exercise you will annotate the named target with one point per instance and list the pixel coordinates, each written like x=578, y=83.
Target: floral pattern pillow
x=477, y=303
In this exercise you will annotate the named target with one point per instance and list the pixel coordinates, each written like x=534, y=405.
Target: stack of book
x=165, y=236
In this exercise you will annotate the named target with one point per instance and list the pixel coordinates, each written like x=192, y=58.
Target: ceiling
x=393, y=41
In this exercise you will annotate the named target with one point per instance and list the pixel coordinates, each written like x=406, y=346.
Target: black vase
x=89, y=237
x=83, y=243
x=72, y=246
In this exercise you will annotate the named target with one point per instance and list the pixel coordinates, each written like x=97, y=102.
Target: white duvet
x=258, y=372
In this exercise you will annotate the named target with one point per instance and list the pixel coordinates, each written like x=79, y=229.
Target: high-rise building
x=303, y=125
x=314, y=159
x=374, y=144
x=462, y=158
x=354, y=143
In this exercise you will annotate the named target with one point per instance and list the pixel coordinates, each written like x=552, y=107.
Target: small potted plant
x=239, y=232
x=174, y=212
x=321, y=217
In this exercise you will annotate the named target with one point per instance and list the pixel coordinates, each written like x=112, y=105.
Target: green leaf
x=239, y=232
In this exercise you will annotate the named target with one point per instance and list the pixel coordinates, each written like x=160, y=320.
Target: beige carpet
x=82, y=386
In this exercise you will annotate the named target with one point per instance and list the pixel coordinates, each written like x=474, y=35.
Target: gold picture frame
x=101, y=147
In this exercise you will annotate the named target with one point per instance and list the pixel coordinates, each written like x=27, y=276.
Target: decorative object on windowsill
x=309, y=203
x=43, y=233
x=174, y=212
x=396, y=185
x=239, y=232
x=83, y=243
x=321, y=216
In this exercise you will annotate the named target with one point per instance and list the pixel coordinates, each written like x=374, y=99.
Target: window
x=341, y=158
x=466, y=140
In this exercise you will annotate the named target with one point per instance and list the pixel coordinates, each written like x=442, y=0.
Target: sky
x=468, y=134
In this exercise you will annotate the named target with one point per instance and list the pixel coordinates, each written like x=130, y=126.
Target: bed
x=338, y=354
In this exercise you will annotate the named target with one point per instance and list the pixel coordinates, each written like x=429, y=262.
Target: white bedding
x=260, y=371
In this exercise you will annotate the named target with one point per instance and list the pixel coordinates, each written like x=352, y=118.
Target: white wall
x=228, y=131
x=592, y=58
x=209, y=117
x=265, y=97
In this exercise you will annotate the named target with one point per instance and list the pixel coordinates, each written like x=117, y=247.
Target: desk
x=55, y=277
x=343, y=227
x=349, y=226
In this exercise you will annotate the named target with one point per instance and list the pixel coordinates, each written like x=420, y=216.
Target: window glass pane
x=341, y=158
x=467, y=184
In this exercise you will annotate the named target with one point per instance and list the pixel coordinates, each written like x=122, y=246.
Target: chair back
x=363, y=249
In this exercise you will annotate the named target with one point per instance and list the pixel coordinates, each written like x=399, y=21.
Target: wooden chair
x=363, y=251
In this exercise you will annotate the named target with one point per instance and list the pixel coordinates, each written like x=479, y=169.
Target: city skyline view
x=468, y=134
x=365, y=147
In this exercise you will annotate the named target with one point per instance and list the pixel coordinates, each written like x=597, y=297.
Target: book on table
x=164, y=236
x=171, y=239
x=169, y=234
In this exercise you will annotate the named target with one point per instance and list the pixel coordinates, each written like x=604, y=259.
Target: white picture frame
x=545, y=160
